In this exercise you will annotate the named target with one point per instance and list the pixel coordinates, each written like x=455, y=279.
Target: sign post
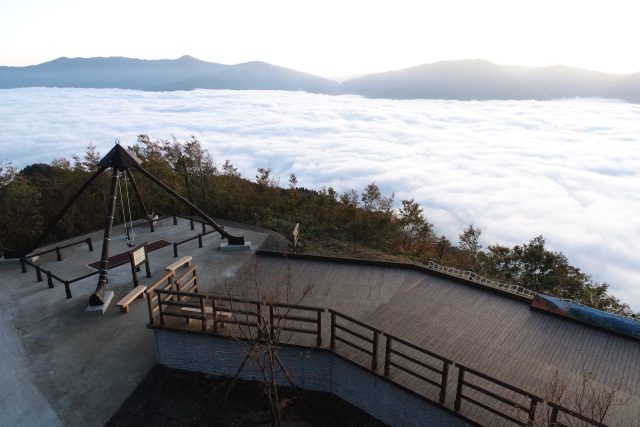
x=296, y=236
x=137, y=257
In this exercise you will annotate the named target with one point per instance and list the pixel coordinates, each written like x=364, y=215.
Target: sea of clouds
x=568, y=169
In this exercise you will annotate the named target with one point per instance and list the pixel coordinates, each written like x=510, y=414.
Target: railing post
x=259, y=319
x=445, y=377
x=175, y=250
x=332, y=341
x=175, y=220
x=374, y=356
x=456, y=405
x=553, y=422
x=67, y=289
x=58, y=254
x=215, y=314
x=191, y=223
x=532, y=412
x=319, y=332
x=204, y=315
x=204, y=227
x=150, y=306
x=23, y=266
x=159, y=297
x=38, y=273
x=199, y=240
x=387, y=356
x=271, y=325
x=50, y=280
x=90, y=244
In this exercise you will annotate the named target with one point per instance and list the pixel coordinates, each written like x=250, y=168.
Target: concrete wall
x=312, y=369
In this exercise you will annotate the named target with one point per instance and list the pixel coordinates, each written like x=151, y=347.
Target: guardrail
x=292, y=312
x=442, y=372
x=368, y=341
x=556, y=410
x=183, y=300
x=529, y=408
x=164, y=283
x=51, y=277
x=476, y=278
x=238, y=311
x=57, y=249
x=503, y=400
x=199, y=237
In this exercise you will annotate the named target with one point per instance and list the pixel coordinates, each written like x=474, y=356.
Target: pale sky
x=328, y=38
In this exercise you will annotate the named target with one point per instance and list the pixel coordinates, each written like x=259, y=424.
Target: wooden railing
x=186, y=305
x=164, y=283
x=414, y=364
x=188, y=281
x=368, y=341
x=483, y=391
x=529, y=408
x=237, y=311
x=556, y=410
x=280, y=314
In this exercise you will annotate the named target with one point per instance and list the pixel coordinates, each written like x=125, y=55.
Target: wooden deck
x=497, y=335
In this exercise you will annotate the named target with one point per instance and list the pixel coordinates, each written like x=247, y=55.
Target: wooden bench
x=138, y=291
x=184, y=261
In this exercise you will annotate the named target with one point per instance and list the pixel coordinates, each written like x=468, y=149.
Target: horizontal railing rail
x=52, y=276
x=168, y=306
x=236, y=311
x=556, y=410
x=164, y=283
x=371, y=341
x=188, y=281
x=182, y=242
x=529, y=409
x=393, y=352
x=57, y=250
x=280, y=314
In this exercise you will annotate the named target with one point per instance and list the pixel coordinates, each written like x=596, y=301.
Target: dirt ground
x=170, y=397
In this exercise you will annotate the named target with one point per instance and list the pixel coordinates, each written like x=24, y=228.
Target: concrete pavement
x=61, y=366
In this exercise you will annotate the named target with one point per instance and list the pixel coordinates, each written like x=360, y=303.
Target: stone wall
x=309, y=368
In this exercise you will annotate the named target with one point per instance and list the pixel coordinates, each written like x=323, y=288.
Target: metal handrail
x=476, y=278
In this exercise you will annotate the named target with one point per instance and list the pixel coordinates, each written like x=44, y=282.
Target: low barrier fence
x=396, y=358
x=57, y=250
x=573, y=418
x=280, y=316
x=367, y=344
x=51, y=277
x=476, y=278
x=528, y=407
x=230, y=313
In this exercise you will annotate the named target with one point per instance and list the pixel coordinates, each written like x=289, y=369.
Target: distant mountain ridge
x=461, y=80
x=184, y=73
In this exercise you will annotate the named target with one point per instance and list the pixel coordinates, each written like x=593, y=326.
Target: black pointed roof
x=119, y=158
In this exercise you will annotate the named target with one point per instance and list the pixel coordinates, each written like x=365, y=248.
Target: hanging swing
x=128, y=224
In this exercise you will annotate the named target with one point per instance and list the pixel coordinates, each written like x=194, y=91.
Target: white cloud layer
x=568, y=170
